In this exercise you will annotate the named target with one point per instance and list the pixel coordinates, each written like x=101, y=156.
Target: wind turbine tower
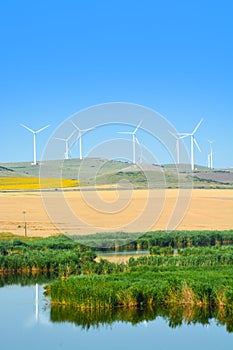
x=211, y=155
x=80, y=134
x=34, y=132
x=133, y=133
x=178, y=138
x=140, y=148
x=192, y=142
x=208, y=161
x=66, y=144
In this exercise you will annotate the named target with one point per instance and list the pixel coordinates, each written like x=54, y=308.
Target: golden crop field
x=34, y=183
x=207, y=210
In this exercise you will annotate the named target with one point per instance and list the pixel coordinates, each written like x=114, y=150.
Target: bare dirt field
x=104, y=210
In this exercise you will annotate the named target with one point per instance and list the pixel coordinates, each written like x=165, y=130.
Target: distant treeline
x=121, y=241
x=65, y=256
x=53, y=254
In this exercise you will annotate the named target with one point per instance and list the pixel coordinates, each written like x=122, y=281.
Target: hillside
x=5, y=171
x=99, y=171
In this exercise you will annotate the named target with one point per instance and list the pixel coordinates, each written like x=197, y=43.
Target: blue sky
x=58, y=57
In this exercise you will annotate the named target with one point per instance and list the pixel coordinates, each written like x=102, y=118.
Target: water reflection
x=87, y=319
x=174, y=316
x=67, y=328
x=26, y=279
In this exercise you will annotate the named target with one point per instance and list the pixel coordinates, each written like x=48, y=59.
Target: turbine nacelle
x=178, y=137
x=193, y=141
x=67, y=150
x=34, y=132
x=79, y=138
x=133, y=133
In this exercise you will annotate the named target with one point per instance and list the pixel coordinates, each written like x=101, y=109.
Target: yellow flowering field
x=34, y=183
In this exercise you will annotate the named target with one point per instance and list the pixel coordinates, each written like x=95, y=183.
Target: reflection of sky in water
x=20, y=330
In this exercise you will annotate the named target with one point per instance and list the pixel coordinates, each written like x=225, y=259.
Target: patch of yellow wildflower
x=35, y=183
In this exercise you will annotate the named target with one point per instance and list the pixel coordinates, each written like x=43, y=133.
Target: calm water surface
x=23, y=326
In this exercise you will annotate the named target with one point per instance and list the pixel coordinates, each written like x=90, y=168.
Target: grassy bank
x=175, y=315
x=180, y=271
x=53, y=254
x=67, y=256
x=147, y=286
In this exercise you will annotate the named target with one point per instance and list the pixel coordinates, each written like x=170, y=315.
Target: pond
x=27, y=323
x=120, y=256
x=129, y=253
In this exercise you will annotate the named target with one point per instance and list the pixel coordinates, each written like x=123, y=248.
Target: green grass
x=194, y=277
x=53, y=254
x=111, y=172
x=147, y=287
x=177, y=239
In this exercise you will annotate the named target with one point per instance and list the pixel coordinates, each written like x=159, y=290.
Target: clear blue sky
x=57, y=57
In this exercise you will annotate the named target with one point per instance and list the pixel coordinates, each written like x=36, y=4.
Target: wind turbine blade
x=184, y=134
x=69, y=137
x=45, y=127
x=59, y=138
x=138, y=126
x=81, y=130
x=125, y=132
x=137, y=141
x=173, y=134
x=75, y=125
x=197, y=126
x=26, y=127
x=197, y=145
x=85, y=130
x=78, y=137
x=79, y=133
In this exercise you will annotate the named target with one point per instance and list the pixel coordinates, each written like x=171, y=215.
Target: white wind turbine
x=34, y=139
x=133, y=133
x=210, y=156
x=80, y=134
x=178, y=138
x=66, y=144
x=192, y=142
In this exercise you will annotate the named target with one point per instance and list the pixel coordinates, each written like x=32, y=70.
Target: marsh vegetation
x=182, y=270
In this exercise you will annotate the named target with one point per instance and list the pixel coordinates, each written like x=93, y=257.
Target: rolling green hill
x=91, y=171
